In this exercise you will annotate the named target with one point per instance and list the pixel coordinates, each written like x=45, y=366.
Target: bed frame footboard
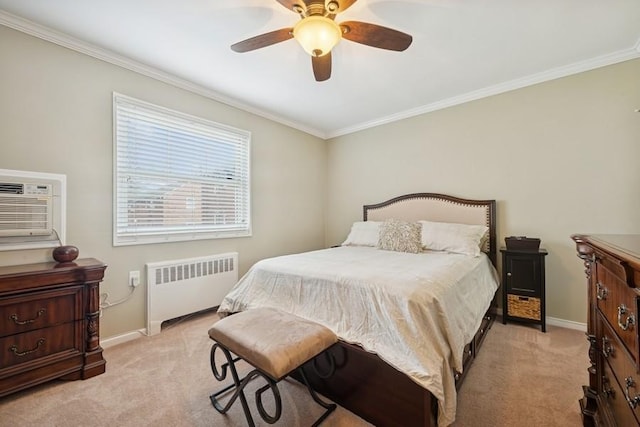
x=370, y=388
x=373, y=390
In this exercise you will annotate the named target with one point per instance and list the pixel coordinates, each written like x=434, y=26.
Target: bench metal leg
x=239, y=384
x=330, y=407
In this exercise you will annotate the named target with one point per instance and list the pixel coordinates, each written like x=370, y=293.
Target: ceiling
x=462, y=50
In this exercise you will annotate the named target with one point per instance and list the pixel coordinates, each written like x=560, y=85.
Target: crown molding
x=48, y=34
x=64, y=40
x=553, y=74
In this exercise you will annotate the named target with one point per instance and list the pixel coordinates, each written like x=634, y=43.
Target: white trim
x=555, y=73
x=48, y=34
x=123, y=338
x=561, y=323
x=568, y=324
x=134, y=335
x=45, y=33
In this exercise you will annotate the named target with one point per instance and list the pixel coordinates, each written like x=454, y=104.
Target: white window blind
x=177, y=177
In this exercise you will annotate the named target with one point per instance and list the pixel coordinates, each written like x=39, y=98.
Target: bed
x=409, y=328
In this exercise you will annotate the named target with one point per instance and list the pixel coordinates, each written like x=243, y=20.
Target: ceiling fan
x=318, y=33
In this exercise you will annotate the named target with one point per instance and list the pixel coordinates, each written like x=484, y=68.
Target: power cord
x=105, y=303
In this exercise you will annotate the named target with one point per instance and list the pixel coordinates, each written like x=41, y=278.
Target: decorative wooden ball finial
x=66, y=253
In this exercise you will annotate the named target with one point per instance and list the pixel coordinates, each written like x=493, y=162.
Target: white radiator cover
x=179, y=287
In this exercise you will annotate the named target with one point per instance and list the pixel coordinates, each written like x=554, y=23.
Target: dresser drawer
x=619, y=305
x=40, y=310
x=614, y=395
x=614, y=352
x=41, y=343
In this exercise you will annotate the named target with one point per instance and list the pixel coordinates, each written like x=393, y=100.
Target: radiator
x=179, y=287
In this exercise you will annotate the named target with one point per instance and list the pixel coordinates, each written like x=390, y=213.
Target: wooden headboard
x=439, y=208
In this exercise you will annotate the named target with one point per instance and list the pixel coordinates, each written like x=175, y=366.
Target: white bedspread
x=415, y=311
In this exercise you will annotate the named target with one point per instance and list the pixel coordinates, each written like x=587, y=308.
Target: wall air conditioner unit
x=26, y=209
x=32, y=211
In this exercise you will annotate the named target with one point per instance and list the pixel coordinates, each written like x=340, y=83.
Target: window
x=177, y=177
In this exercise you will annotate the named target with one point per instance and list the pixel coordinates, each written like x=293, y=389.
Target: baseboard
x=134, y=335
x=123, y=338
x=562, y=323
x=569, y=324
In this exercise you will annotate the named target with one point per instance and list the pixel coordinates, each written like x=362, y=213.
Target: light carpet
x=522, y=377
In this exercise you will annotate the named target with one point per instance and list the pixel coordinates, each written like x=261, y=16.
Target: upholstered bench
x=275, y=344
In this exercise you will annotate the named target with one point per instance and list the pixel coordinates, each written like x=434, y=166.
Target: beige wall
x=55, y=116
x=559, y=157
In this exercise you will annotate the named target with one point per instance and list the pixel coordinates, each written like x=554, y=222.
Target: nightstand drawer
x=40, y=310
x=39, y=344
x=523, y=274
x=524, y=307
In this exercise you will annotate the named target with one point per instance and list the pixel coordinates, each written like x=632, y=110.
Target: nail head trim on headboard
x=441, y=208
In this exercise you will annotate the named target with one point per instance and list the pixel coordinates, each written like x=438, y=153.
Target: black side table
x=523, y=296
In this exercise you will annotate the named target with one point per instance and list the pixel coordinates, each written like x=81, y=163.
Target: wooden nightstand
x=523, y=296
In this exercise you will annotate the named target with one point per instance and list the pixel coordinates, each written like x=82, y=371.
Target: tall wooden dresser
x=612, y=266
x=49, y=314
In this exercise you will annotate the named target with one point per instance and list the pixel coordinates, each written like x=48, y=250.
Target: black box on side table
x=523, y=279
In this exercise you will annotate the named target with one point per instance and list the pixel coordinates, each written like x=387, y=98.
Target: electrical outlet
x=134, y=278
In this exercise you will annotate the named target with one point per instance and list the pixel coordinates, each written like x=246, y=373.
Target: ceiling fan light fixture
x=317, y=34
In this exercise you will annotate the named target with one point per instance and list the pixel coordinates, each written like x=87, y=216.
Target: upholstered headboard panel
x=439, y=208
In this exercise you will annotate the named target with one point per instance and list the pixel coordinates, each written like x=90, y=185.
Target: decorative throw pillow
x=363, y=233
x=451, y=237
x=400, y=236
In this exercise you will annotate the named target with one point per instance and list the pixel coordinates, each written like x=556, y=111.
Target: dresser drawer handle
x=607, y=349
x=601, y=292
x=633, y=402
x=630, y=320
x=14, y=349
x=14, y=317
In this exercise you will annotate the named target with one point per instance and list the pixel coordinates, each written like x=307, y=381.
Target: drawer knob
x=632, y=401
x=14, y=317
x=629, y=321
x=14, y=349
x=601, y=292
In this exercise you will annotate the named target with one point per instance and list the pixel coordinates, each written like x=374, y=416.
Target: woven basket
x=525, y=307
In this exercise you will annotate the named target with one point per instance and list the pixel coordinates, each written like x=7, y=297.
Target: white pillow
x=363, y=233
x=458, y=238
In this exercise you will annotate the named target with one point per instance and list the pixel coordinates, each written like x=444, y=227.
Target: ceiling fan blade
x=263, y=40
x=297, y=6
x=337, y=6
x=375, y=35
x=321, y=67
